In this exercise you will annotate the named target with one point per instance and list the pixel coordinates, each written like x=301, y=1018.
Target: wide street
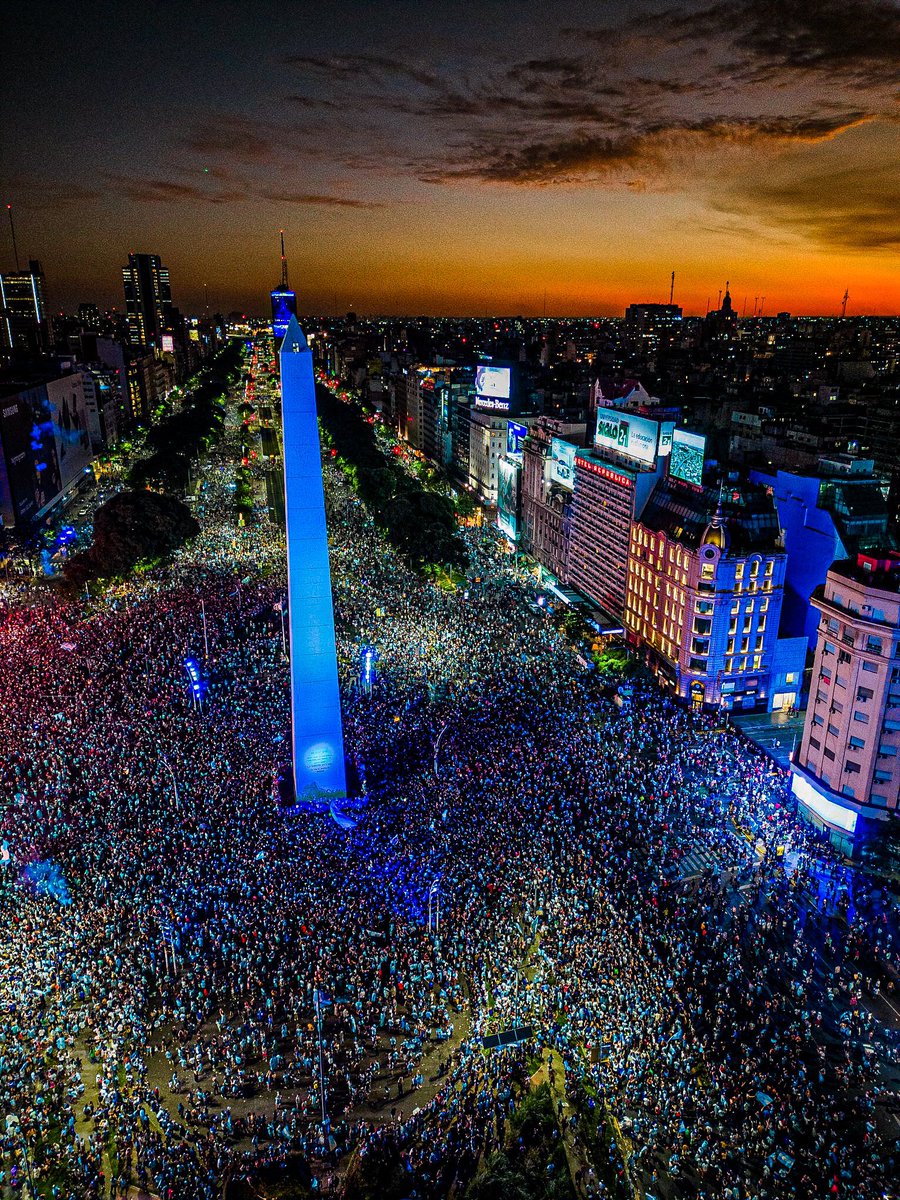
x=730, y=1032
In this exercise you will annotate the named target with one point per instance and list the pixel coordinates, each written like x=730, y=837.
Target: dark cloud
x=654, y=151
x=317, y=200
x=844, y=209
x=172, y=191
x=757, y=40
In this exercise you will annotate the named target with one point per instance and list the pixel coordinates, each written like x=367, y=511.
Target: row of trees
x=418, y=522
x=138, y=528
x=184, y=435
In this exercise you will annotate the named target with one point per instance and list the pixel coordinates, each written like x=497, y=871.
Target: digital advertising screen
x=168, y=343
x=686, y=462
x=284, y=306
x=666, y=429
x=515, y=438
x=493, y=382
x=629, y=434
x=562, y=463
x=507, y=497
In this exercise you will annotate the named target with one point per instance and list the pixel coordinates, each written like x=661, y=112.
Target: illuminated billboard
x=628, y=434
x=168, y=343
x=666, y=429
x=686, y=462
x=515, y=437
x=508, y=497
x=562, y=463
x=284, y=306
x=493, y=382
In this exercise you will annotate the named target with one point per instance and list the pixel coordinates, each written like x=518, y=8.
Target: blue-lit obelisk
x=317, y=733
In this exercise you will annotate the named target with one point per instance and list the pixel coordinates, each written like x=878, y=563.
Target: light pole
x=205, y=641
x=437, y=746
x=321, y=1063
x=165, y=763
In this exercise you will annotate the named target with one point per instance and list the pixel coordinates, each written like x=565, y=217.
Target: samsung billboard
x=562, y=463
x=628, y=434
x=515, y=439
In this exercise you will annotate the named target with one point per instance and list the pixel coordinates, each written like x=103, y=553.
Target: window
x=698, y=664
x=886, y=750
x=868, y=666
x=851, y=768
x=829, y=754
x=836, y=706
x=873, y=645
x=817, y=720
x=707, y=571
x=838, y=599
x=843, y=657
x=883, y=777
x=829, y=648
x=833, y=729
x=815, y=743
x=847, y=790
x=791, y=677
x=891, y=726
x=857, y=743
x=862, y=717
x=864, y=693
x=770, y=566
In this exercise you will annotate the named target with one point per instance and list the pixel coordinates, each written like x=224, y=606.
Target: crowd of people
x=197, y=987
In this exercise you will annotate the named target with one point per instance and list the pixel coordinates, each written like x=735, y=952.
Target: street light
x=165, y=763
x=437, y=746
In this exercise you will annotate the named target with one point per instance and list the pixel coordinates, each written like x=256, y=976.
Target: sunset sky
x=460, y=157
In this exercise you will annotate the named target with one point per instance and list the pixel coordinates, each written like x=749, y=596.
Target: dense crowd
x=173, y=939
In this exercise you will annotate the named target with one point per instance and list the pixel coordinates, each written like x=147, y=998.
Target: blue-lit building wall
x=318, y=741
x=812, y=543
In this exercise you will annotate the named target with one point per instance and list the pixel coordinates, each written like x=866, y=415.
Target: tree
x=131, y=528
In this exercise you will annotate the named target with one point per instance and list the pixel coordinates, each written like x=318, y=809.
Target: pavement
x=776, y=733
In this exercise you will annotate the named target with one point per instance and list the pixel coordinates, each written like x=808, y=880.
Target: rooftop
x=683, y=514
x=879, y=572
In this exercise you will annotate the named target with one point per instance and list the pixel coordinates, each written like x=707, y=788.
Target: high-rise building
x=548, y=481
x=704, y=596
x=89, y=318
x=846, y=773
x=148, y=299
x=23, y=310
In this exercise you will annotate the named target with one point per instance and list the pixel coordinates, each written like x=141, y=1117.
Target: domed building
x=704, y=594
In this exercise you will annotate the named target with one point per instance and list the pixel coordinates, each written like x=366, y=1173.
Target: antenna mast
x=844, y=305
x=12, y=230
x=672, y=290
x=284, y=274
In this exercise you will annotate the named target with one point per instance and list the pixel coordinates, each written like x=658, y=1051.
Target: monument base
x=342, y=807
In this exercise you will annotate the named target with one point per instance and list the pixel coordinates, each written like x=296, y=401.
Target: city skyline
x=425, y=158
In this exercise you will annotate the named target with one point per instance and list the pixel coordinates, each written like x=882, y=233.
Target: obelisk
x=316, y=727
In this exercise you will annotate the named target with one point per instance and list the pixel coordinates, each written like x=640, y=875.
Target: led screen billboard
x=562, y=463
x=507, y=497
x=515, y=437
x=284, y=306
x=666, y=429
x=686, y=462
x=168, y=343
x=635, y=436
x=493, y=382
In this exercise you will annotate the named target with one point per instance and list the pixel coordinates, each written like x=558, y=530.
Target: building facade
x=704, y=599
x=23, y=311
x=846, y=774
x=148, y=299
